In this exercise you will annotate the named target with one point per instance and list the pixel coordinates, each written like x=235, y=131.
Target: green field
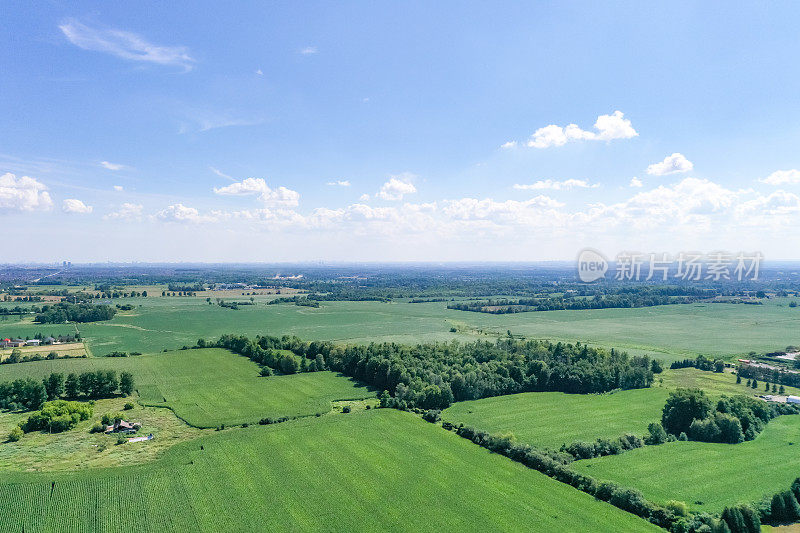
x=211, y=386
x=668, y=332
x=708, y=476
x=377, y=470
x=550, y=419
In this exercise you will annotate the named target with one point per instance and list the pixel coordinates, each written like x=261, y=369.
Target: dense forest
x=432, y=376
x=68, y=312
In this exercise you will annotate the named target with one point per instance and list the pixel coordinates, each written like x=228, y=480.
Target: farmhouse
x=33, y=342
x=123, y=426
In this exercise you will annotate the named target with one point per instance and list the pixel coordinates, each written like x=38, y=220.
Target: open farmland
x=210, y=387
x=377, y=470
x=550, y=419
x=668, y=332
x=708, y=476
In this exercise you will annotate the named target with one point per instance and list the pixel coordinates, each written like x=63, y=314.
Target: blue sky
x=414, y=131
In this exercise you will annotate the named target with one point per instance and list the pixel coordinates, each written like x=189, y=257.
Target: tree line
x=30, y=394
x=434, y=375
x=69, y=312
x=689, y=413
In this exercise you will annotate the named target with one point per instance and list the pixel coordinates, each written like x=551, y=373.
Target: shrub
x=121, y=439
x=432, y=415
x=656, y=435
x=98, y=427
x=266, y=371
x=58, y=416
x=15, y=434
x=677, y=508
x=346, y=409
x=128, y=406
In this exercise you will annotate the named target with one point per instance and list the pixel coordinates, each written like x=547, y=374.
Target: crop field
x=550, y=419
x=210, y=387
x=668, y=332
x=708, y=476
x=376, y=470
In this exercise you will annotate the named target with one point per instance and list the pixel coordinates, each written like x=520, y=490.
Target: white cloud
x=781, y=177
x=636, y=182
x=124, y=44
x=181, y=213
x=111, y=166
x=556, y=185
x=672, y=164
x=71, y=205
x=127, y=211
x=609, y=127
x=23, y=194
x=308, y=50
x=397, y=187
x=509, y=145
x=339, y=183
x=259, y=72
x=364, y=197
x=258, y=186
x=119, y=188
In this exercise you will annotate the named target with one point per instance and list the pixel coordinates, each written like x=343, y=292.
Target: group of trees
x=626, y=298
x=31, y=394
x=701, y=362
x=57, y=416
x=690, y=413
x=296, y=300
x=69, y=312
x=772, y=375
x=432, y=376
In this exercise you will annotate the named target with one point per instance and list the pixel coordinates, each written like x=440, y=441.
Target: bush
x=58, y=416
x=346, y=409
x=656, y=435
x=432, y=415
x=121, y=439
x=15, y=434
x=98, y=427
x=266, y=371
x=128, y=406
x=677, y=508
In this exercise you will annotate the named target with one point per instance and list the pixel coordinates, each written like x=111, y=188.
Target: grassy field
x=72, y=349
x=376, y=470
x=78, y=449
x=550, y=419
x=668, y=332
x=708, y=476
x=210, y=387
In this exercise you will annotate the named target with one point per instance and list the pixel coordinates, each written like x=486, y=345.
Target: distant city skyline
x=384, y=133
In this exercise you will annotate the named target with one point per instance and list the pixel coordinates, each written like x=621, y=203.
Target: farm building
x=793, y=399
x=33, y=342
x=123, y=426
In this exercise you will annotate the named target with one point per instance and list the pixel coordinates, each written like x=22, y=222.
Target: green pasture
x=376, y=470
x=210, y=387
x=708, y=476
x=550, y=419
x=668, y=332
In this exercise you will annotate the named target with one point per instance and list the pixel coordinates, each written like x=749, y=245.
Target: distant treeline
x=432, y=376
x=701, y=362
x=68, y=312
x=644, y=297
x=769, y=375
x=297, y=300
x=233, y=305
x=30, y=394
x=178, y=287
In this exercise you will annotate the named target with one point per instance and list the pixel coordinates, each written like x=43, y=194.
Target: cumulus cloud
x=124, y=44
x=119, y=188
x=111, y=166
x=308, y=50
x=608, y=127
x=181, y=213
x=509, y=145
x=258, y=187
x=23, y=194
x=672, y=164
x=636, y=182
x=556, y=185
x=72, y=205
x=781, y=177
x=127, y=211
x=340, y=183
x=397, y=187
